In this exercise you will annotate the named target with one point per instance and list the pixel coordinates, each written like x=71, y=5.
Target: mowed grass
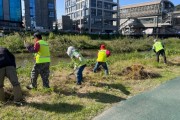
x=67, y=101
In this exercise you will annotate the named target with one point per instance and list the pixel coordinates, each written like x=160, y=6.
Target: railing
x=139, y=14
x=167, y=20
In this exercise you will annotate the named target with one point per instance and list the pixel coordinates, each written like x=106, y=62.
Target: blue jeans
x=79, y=75
x=104, y=65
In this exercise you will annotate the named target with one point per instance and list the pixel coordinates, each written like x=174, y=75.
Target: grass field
x=67, y=101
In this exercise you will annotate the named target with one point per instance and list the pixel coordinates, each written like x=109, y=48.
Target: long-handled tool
x=72, y=73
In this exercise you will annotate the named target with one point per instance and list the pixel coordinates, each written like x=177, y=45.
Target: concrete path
x=162, y=103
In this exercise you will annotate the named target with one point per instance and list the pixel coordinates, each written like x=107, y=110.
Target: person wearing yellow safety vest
x=158, y=48
x=79, y=63
x=102, y=58
x=42, y=57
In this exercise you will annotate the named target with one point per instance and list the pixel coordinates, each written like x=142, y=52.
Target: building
x=154, y=17
x=93, y=16
x=10, y=15
x=64, y=24
x=176, y=20
x=40, y=14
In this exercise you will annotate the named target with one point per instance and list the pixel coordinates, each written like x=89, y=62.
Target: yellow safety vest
x=102, y=57
x=158, y=46
x=43, y=55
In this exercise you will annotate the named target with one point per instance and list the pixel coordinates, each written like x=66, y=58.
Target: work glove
x=75, y=67
x=26, y=44
x=80, y=58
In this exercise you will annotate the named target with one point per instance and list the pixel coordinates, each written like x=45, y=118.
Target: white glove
x=80, y=59
x=75, y=67
x=26, y=44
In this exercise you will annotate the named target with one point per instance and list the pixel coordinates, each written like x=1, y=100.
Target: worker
x=102, y=59
x=158, y=48
x=8, y=69
x=42, y=57
x=79, y=63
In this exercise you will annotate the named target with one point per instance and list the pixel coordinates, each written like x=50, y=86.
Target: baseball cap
x=37, y=35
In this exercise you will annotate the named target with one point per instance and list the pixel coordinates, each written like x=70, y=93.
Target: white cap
x=70, y=50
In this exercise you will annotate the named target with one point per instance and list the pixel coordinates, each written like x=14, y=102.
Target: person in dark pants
x=42, y=56
x=158, y=48
x=79, y=63
x=8, y=69
x=102, y=58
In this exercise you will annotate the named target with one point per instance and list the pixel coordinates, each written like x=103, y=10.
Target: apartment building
x=93, y=16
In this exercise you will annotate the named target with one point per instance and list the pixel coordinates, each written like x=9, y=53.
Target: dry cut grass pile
x=138, y=72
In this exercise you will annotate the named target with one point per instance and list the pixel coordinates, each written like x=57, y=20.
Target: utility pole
x=89, y=16
x=118, y=16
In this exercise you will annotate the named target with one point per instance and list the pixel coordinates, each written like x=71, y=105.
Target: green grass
x=66, y=101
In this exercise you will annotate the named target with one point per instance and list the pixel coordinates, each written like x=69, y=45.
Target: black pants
x=161, y=52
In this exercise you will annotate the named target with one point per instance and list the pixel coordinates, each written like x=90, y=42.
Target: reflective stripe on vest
x=158, y=46
x=102, y=56
x=43, y=54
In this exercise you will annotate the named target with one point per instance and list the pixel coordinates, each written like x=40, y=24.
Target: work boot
x=19, y=103
x=2, y=95
x=17, y=93
x=29, y=87
x=78, y=83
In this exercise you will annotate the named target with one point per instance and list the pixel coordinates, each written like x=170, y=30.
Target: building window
x=50, y=5
x=51, y=14
x=15, y=10
x=1, y=10
x=108, y=14
x=32, y=13
x=99, y=13
x=108, y=6
x=93, y=12
x=99, y=4
x=93, y=3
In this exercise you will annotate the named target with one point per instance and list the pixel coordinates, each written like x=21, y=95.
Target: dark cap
x=37, y=35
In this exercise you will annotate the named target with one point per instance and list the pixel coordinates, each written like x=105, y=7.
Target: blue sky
x=60, y=4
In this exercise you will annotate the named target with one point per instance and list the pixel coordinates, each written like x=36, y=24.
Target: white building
x=93, y=16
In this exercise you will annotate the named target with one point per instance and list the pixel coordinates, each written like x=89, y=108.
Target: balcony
x=110, y=27
x=111, y=1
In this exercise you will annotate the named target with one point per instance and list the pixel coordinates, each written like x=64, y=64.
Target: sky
x=60, y=4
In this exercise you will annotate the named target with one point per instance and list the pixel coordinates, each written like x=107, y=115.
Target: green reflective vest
x=158, y=46
x=43, y=55
x=102, y=57
x=78, y=61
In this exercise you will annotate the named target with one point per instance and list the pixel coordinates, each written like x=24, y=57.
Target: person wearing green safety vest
x=102, y=58
x=42, y=57
x=79, y=63
x=158, y=48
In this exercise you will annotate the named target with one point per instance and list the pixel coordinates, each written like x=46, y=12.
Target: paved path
x=162, y=103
